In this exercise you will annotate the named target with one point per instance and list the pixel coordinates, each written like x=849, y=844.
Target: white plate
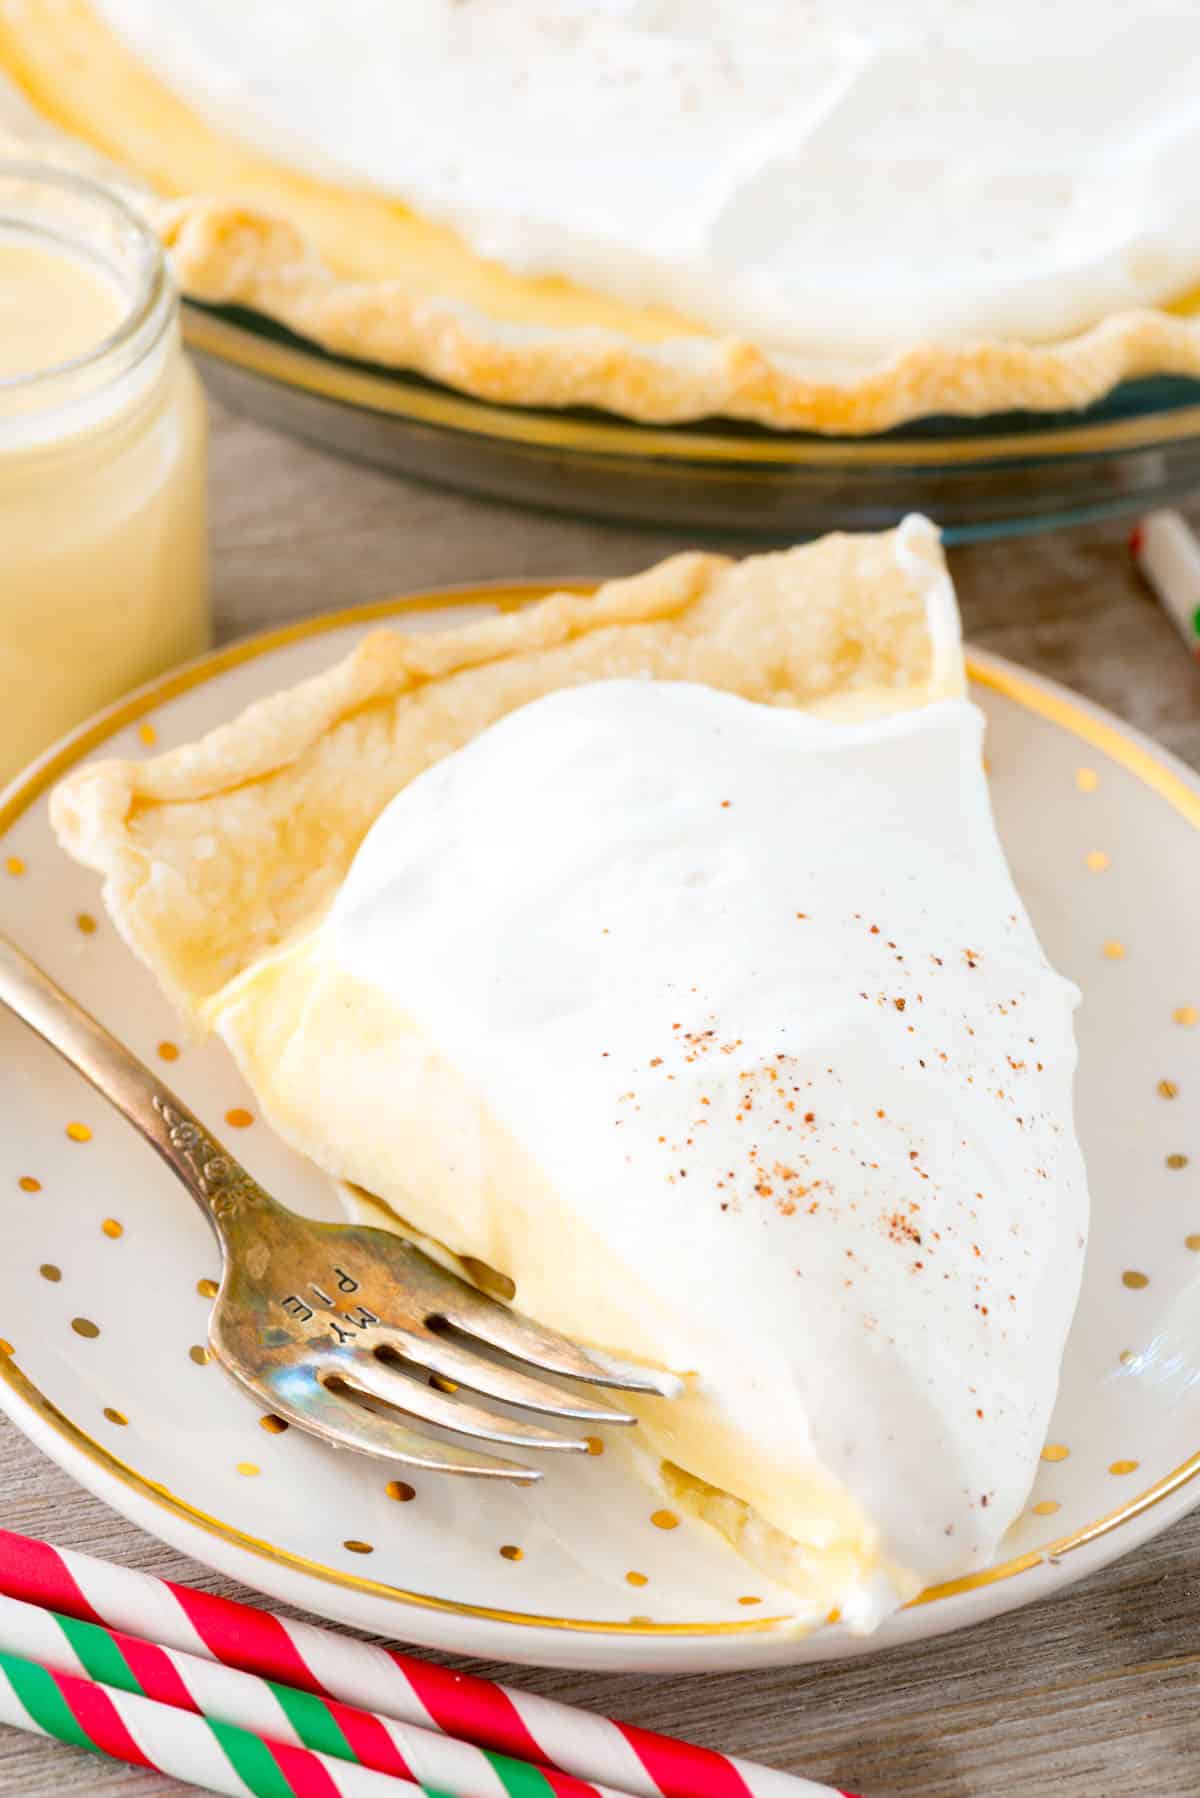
x=1101, y=829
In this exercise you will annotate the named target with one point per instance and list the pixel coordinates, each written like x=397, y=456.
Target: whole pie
x=834, y=215
x=653, y=954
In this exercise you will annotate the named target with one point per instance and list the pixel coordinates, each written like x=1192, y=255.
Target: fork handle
x=217, y=1182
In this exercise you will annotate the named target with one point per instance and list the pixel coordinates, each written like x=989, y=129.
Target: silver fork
x=337, y=1328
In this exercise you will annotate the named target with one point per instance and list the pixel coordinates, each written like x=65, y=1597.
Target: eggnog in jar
x=103, y=567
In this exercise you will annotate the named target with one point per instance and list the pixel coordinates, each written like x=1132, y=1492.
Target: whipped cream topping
x=836, y=180
x=755, y=993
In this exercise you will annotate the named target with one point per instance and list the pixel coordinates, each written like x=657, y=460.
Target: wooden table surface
x=1094, y=1693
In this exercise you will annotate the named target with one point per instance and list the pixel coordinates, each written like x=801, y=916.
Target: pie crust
x=364, y=278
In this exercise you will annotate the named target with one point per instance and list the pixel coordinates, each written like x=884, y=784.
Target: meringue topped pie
x=836, y=215
x=652, y=954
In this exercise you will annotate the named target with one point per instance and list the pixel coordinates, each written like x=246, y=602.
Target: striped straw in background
x=195, y=1749
x=48, y=1659
x=1166, y=550
x=534, y=1747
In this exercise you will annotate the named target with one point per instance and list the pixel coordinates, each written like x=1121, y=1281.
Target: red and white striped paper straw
x=58, y=1654
x=195, y=1749
x=311, y=1659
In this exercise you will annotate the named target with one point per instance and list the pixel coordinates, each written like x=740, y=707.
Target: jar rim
x=151, y=294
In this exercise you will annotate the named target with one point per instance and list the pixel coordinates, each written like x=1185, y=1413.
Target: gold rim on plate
x=1154, y=769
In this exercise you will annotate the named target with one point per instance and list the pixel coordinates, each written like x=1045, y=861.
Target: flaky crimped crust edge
x=104, y=812
x=229, y=254
x=91, y=807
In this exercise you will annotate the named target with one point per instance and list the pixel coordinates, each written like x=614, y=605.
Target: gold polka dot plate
x=106, y=1273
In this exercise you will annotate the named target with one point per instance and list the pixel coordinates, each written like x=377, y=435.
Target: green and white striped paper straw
x=561, y=1740
x=195, y=1749
x=42, y=1650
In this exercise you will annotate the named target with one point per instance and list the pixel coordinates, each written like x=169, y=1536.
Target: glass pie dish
x=977, y=478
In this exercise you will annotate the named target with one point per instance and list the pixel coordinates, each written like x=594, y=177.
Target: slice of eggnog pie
x=654, y=950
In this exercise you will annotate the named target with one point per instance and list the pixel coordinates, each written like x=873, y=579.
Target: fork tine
x=301, y=1398
x=515, y=1335
x=435, y=1296
x=366, y=1374
x=440, y=1355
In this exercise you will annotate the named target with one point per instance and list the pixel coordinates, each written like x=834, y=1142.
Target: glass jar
x=103, y=550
